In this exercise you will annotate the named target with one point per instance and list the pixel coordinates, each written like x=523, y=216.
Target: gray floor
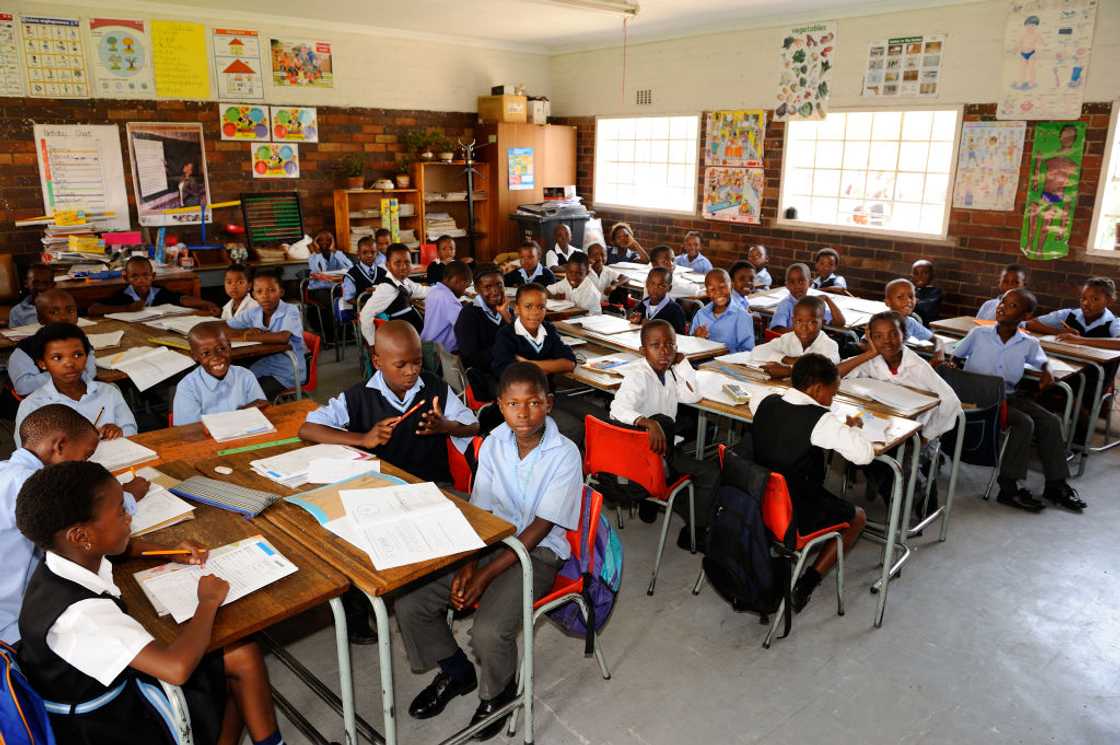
x=1007, y=633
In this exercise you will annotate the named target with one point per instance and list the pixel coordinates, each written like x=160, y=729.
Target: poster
x=808, y=54
x=1046, y=47
x=179, y=58
x=734, y=138
x=237, y=62
x=521, y=177
x=301, y=64
x=11, y=80
x=276, y=160
x=1055, y=175
x=122, y=66
x=988, y=165
x=168, y=171
x=733, y=194
x=54, y=57
x=244, y=121
x=80, y=168
x=906, y=66
x=295, y=124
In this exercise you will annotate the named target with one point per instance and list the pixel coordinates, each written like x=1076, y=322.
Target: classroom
x=579, y=372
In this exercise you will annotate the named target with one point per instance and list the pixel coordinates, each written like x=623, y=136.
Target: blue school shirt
x=985, y=353
x=1056, y=318
x=735, y=328
x=100, y=398
x=917, y=330
x=700, y=264
x=279, y=366
x=783, y=313
x=547, y=483
x=441, y=310
x=316, y=263
x=987, y=311
x=741, y=300
x=201, y=393
x=20, y=555
x=26, y=376
x=23, y=313
x=762, y=279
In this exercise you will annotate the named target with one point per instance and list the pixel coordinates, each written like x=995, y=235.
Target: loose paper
x=237, y=61
x=988, y=165
x=244, y=121
x=331, y=470
x=1055, y=176
x=302, y=64
x=54, y=57
x=234, y=425
x=274, y=160
x=734, y=194
x=168, y=170
x=179, y=56
x=904, y=67
x=808, y=54
x=106, y=340
x=899, y=398
x=295, y=124
x=735, y=138
x=603, y=324
x=11, y=76
x=80, y=168
x=521, y=176
x=122, y=66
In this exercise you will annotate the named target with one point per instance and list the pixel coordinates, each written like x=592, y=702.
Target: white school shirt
x=247, y=303
x=642, y=393
x=586, y=296
x=383, y=296
x=830, y=432
x=915, y=372
x=788, y=345
x=603, y=281
x=556, y=256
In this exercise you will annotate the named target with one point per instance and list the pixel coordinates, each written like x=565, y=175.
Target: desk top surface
x=961, y=325
x=628, y=341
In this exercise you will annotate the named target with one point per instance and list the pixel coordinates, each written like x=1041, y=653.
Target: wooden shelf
x=380, y=191
x=344, y=217
x=436, y=177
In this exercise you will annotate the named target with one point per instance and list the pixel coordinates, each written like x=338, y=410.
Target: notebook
x=179, y=324
x=159, y=509
x=611, y=364
x=146, y=366
x=233, y=425
x=121, y=453
x=291, y=468
x=555, y=306
x=603, y=324
x=224, y=495
x=106, y=340
x=905, y=401
x=147, y=314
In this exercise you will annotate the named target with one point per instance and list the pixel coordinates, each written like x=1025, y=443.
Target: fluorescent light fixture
x=622, y=7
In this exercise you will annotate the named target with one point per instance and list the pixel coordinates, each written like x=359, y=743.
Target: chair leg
x=699, y=582
x=618, y=511
x=691, y=519
x=801, y=556
x=661, y=545
x=839, y=574
x=594, y=638
x=999, y=462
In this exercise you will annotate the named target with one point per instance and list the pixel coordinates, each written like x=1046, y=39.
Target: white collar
x=794, y=396
x=910, y=359
x=100, y=583
x=520, y=330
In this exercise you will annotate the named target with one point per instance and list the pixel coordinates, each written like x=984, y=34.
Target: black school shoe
x=431, y=701
x=803, y=590
x=1064, y=495
x=647, y=511
x=488, y=707
x=1020, y=499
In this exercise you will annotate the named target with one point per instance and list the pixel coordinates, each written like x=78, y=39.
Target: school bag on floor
x=23, y=717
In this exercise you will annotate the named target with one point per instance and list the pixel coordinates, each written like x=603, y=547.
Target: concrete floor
x=1007, y=633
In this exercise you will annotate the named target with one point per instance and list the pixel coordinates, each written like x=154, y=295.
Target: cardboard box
x=503, y=109
x=538, y=112
x=503, y=90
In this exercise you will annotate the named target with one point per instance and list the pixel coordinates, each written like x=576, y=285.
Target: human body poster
x=122, y=63
x=988, y=165
x=295, y=124
x=804, y=88
x=905, y=66
x=168, y=171
x=11, y=79
x=244, y=121
x=1046, y=49
x=54, y=57
x=1055, y=175
x=734, y=138
x=302, y=64
x=275, y=160
x=734, y=194
x=237, y=62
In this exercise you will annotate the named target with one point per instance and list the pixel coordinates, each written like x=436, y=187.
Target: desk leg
x=385, y=660
x=911, y=485
x=527, y=621
x=892, y=535
x=701, y=433
x=295, y=374
x=1067, y=425
x=1094, y=412
x=345, y=676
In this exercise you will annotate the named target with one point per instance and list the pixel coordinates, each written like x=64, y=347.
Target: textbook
x=159, y=508
x=178, y=324
x=611, y=364
x=234, y=425
x=603, y=324
x=906, y=402
x=121, y=453
x=147, y=314
x=146, y=366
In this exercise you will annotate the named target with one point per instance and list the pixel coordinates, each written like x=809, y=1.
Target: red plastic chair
x=625, y=452
x=462, y=477
x=770, y=335
x=313, y=344
x=428, y=254
x=473, y=402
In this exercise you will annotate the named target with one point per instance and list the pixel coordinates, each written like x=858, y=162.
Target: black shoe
x=1020, y=499
x=647, y=511
x=359, y=631
x=803, y=590
x=683, y=540
x=1064, y=495
x=486, y=708
x=432, y=700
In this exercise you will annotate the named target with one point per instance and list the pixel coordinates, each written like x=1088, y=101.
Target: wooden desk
x=86, y=292
x=625, y=342
x=857, y=310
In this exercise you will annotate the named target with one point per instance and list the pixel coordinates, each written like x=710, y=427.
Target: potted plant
x=403, y=176
x=352, y=167
x=445, y=149
x=418, y=142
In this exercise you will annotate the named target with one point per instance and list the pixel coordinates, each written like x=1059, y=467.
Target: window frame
x=1110, y=152
x=942, y=237
x=694, y=210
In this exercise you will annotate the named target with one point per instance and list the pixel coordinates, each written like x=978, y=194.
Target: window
x=874, y=171
x=1106, y=216
x=647, y=162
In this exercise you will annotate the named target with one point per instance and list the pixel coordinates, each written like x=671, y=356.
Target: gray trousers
x=422, y=615
x=1028, y=421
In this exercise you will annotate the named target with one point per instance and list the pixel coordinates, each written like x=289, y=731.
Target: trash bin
x=539, y=226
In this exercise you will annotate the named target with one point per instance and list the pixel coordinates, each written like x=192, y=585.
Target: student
x=692, y=258
x=721, y=320
x=1004, y=351
x=39, y=278
x=662, y=256
x=792, y=431
x=900, y=297
x=531, y=269
x=610, y=283
x=327, y=259
x=238, y=283
x=657, y=305
x=577, y=286
x=827, y=260
x=393, y=295
x=52, y=306
x=563, y=249
x=624, y=246
x=382, y=239
x=742, y=283
x=928, y=306
x=61, y=350
x=402, y=415
x=530, y=338
x=530, y=475
x=364, y=274
x=140, y=293
x=272, y=322
x=797, y=283
x=780, y=355
x=477, y=327
x=215, y=386
x=80, y=645
x=442, y=306
x=1013, y=277
x=1091, y=325
x=759, y=258
x=445, y=254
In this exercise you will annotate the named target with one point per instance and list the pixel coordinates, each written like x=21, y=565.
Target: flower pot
x=447, y=157
x=354, y=182
x=403, y=180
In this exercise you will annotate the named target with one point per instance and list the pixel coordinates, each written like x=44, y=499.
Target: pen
x=166, y=552
x=98, y=419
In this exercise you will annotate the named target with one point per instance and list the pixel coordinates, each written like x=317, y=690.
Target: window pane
x=937, y=188
x=940, y=157
x=803, y=155
x=916, y=125
x=886, y=125
x=826, y=183
x=944, y=126
x=855, y=154
x=852, y=182
x=832, y=128
x=800, y=181
x=859, y=126
x=908, y=187
x=647, y=162
x=829, y=154
x=912, y=156
x=883, y=155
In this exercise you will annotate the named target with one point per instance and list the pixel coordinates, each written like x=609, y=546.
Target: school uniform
x=557, y=256
x=441, y=310
x=1105, y=326
x=915, y=372
x=102, y=402
x=476, y=328
x=78, y=642
x=788, y=345
x=667, y=310
x=832, y=280
x=762, y=279
x=783, y=313
x=684, y=288
x=247, y=303
x=928, y=305
x=915, y=330
x=733, y=328
x=603, y=279
x=392, y=299
x=156, y=296
x=25, y=374
x=201, y=393
x=546, y=484
x=23, y=313
x=586, y=296
x=358, y=279
x=319, y=263
x=700, y=264
x=276, y=366
x=360, y=407
x=541, y=275
x=514, y=340
x=436, y=268
x=616, y=254
x=987, y=311
x=742, y=301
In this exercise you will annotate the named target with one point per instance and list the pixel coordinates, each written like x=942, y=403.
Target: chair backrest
x=313, y=343
x=777, y=506
x=981, y=391
x=575, y=536
x=770, y=335
x=336, y=301
x=623, y=452
x=984, y=398
x=462, y=474
x=473, y=402
x=428, y=254
x=451, y=368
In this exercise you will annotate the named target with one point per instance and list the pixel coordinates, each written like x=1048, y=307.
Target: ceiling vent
x=644, y=97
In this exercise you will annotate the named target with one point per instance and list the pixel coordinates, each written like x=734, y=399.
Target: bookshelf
x=436, y=182
x=361, y=208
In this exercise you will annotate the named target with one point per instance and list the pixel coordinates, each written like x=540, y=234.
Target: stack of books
x=292, y=468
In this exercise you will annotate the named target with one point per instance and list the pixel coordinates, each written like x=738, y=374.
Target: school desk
x=86, y=292
x=857, y=310
x=629, y=341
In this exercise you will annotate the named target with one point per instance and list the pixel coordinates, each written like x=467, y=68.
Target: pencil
x=166, y=552
x=410, y=412
x=98, y=419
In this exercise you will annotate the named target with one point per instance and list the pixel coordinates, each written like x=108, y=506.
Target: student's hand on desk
x=776, y=369
x=558, y=296
x=198, y=553
x=635, y=318
x=1069, y=337
x=137, y=487
x=110, y=432
x=468, y=585
x=209, y=309
x=212, y=590
x=700, y=332
x=380, y=433
x=433, y=422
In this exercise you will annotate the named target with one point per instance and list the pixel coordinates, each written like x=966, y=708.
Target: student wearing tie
x=362, y=275
x=52, y=306
x=531, y=269
x=393, y=295
x=476, y=330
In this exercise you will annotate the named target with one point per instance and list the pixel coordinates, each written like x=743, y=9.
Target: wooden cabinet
x=443, y=188
x=362, y=207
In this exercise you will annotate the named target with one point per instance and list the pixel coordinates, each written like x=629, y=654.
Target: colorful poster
x=735, y=138
x=302, y=64
x=734, y=194
x=244, y=121
x=54, y=57
x=122, y=67
x=237, y=61
x=808, y=54
x=276, y=160
x=11, y=79
x=521, y=176
x=168, y=171
x=80, y=168
x=1046, y=47
x=988, y=165
x=904, y=67
x=179, y=57
x=295, y=124
x=1055, y=175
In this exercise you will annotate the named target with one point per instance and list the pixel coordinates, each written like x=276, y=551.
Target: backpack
x=600, y=589
x=23, y=717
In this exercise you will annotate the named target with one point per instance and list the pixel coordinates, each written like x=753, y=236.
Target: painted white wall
x=739, y=69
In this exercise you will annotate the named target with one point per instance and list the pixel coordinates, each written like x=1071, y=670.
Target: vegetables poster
x=1055, y=174
x=808, y=54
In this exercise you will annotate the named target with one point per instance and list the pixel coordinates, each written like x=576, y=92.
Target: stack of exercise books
x=234, y=425
x=121, y=453
x=292, y=468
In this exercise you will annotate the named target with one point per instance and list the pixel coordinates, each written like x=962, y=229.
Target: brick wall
x=341, y=130
x=980, y=241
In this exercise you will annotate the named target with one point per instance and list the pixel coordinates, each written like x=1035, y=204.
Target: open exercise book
x=233, y=425
x=146, y=366
x=293, y=467
x=147, y=314
x=121, y=453
x=248, y=565
x=159, y=508
x=603, y=324
x=179, y=324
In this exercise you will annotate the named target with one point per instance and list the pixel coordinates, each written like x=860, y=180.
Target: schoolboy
x=531, y=269
x=382, y=239
x=900, y=297
x=327, y=259
x=80, y=645
x=759, y=258
x=792, y=431
x=577, y=286
x=611, y=283
x=721, y=320
x=742, y=283
x=364, y=274
x=215, y=386
x=657, y=305
x=928, y=306
x=662, y=256
x=797, y=284
x=562, y=250
x=140, y=293
x=393, y=295
x=692, y=258
x=1092, y=324
x=827, y=260
x=530, y=338
x=1005, y=351
x=780, y=355
x=624, y=246
x=1012, y=277
x=477, y=327
x=530, y=475
x=238, y=286
x=52, y=306
x=442, y=306
x=272, y=322
x=39, y=278
x=445, y=254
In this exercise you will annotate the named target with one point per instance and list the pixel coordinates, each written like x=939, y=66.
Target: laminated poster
x=302, y=64
x=237, y=62
x=168, y=171
x=11, y=79
x=80, y=168
x=988, y=165
x=734, y=194
x=122, y=66
x=521, y=176
x=54, y=57
x=904, y=67
x=808, y=54
x=734, y=138
x=244, y=121
x=295, y=124
x=180, y=57
x=1055, y=174
x=276, y=160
